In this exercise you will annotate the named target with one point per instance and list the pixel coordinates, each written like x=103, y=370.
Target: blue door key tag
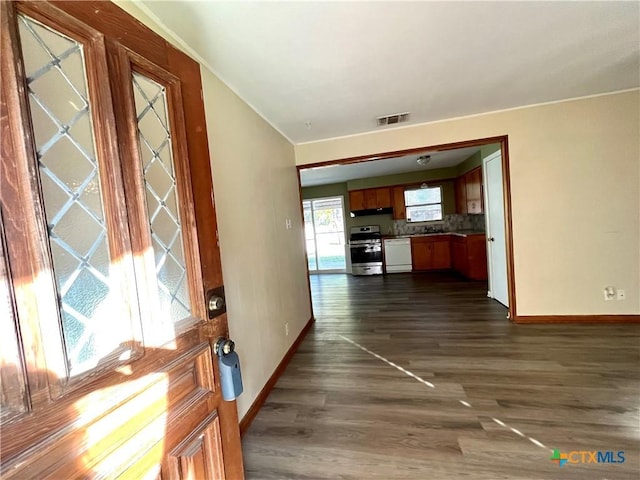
x=229, y=365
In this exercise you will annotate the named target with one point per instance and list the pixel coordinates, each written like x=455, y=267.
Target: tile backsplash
x=454, y=223
x=450, y=223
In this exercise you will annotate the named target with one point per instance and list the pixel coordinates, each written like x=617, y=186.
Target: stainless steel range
x=365, y=244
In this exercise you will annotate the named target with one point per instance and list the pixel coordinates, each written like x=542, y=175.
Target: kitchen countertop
x=459, y=233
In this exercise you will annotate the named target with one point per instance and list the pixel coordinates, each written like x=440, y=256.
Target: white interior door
x=494, y=217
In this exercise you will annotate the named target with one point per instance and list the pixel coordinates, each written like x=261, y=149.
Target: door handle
x=224, y=346
x=491, y=239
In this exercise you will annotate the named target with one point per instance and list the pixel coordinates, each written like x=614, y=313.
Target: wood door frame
x=503, y=141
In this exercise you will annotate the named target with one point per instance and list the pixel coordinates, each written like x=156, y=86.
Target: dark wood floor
x=421, y=376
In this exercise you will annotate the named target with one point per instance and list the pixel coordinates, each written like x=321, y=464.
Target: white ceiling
x=339, y=65
x=325, y=175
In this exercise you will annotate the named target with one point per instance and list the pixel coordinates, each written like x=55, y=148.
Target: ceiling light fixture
x=423, y=159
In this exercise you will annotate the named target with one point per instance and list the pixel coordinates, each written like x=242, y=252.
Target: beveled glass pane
x=67, y=163
x=43, y=45
x=94, y=322
x=154, y=133
x=47, y=128
x=55, y=91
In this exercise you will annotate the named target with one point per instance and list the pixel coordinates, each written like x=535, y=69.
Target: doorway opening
x=324, y=229
x=468, y=209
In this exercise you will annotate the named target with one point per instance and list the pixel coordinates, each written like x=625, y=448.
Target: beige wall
x=256, y=189
x=575, y=176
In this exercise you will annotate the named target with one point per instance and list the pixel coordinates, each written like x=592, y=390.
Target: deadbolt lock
x=215, y=302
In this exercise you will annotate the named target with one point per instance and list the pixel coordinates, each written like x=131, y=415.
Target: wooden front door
x=108, y=254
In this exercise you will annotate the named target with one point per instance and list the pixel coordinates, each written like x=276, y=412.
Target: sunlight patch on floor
x=431, y=385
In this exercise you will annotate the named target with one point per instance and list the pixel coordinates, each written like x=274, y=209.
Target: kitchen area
x=448, y=242
x=461, y=251
x=429, y=219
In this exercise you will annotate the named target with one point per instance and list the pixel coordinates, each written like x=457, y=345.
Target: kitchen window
x=423, y=204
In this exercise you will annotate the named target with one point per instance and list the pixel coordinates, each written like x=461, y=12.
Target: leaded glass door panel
x=64, y=204
x=91, y=272
x=107, y=364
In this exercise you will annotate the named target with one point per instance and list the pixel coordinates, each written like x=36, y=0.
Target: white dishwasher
x=397, y=255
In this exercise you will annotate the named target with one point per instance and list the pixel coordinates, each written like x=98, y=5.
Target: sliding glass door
x=324, y=234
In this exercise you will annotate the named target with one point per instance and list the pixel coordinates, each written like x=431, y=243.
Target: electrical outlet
x=287, y=223
x=286, y=329
x=609, y=293
x=621, y=294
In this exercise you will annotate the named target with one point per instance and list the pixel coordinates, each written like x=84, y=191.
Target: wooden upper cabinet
x=383, y=198
x=399, y=212
x=356, y=200
x=474, y=191
x=461, y=194
x=468, y=188
x=370, y=198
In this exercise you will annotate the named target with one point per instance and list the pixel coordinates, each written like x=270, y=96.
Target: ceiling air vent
x=391, y=119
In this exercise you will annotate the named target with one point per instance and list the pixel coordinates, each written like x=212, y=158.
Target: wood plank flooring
x=422, y=376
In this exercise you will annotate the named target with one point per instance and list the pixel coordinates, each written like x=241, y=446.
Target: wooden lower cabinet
x=431, y=252
x=477, y=257
x=464, y=254
x=469, y=256
x=459, y=259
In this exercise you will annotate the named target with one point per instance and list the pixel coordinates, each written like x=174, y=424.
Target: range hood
x=372, y=211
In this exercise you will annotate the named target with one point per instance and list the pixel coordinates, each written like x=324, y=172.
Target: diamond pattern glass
x=63, y=132
x=154, y=134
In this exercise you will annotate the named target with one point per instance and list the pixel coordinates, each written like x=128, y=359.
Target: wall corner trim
x=533, y=319
x=264, y=393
